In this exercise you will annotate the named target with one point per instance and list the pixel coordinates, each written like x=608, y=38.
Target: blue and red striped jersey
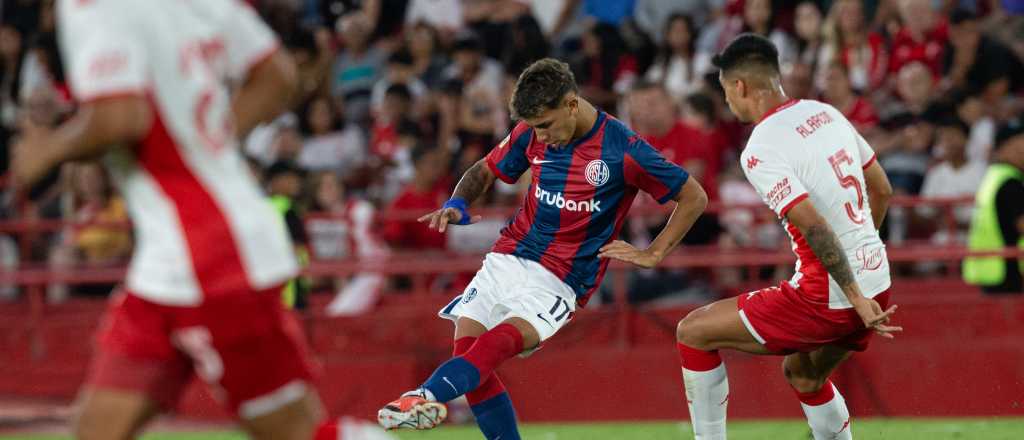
x=579, y=196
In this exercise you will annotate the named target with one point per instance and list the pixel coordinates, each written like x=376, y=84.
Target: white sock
x=830, y=420
x=707, y=396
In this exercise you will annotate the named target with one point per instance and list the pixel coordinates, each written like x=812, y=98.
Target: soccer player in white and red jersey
x=818, y=174
x=202, y=294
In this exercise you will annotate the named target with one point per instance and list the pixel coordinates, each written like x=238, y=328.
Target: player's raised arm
x=474, y=182
x=825, y=244
x=879, y=191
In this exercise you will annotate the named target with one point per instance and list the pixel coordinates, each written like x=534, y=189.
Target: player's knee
x=801, y=381
x=689, y=331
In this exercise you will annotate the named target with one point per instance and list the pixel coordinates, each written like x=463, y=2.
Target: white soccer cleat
x=412, y=411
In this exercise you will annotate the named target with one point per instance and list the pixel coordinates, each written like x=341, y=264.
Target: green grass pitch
x=894, y=429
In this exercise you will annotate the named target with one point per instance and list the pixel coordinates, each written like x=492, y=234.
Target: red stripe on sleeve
x=791, y=204
x=870, y=161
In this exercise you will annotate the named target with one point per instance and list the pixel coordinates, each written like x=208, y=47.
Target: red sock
x=328, y=430
x=489, y=387
x=820, y=397
x=494, y=347
x=698, y=360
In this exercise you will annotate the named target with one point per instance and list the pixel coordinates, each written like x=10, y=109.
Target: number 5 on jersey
x=847, y=181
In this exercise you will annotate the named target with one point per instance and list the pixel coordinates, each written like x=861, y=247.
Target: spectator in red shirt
x=692, y=142
x=840, y=95
x=922, y=38
x=423, y=194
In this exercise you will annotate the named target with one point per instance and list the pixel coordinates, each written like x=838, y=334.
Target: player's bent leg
x=296, y=420
x=699, y=336
x=717, y=325
x=824, y=406
x=107, y=414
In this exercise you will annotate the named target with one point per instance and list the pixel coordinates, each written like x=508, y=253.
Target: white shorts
x=507, y=286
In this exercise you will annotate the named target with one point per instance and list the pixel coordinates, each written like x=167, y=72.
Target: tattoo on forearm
x=826, y=247
x=474, y=182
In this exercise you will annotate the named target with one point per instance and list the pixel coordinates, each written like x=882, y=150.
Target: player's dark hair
x=541, y=87
x=748, y=51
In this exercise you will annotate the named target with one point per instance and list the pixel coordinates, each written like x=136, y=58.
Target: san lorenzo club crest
x=470, y=294
x=597, y=172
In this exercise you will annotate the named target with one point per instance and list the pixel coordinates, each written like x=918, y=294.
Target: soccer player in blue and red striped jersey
x=586, y=168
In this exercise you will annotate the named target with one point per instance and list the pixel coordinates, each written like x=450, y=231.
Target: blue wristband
x=460, y=204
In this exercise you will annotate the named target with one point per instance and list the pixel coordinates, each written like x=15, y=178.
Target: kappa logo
x=752, y=162
x=469, y=296
x=597, y=172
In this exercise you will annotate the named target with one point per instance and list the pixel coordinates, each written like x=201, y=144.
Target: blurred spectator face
x=431, y=166
x=329, y=191
x=651, y=110
x=421, y=40
x=918, y=136
x=678, y=35
x=10, y=42
x=286, y=184
x=850, y=16
x=321, y=118
x=91, y=182
x=970, y=109
x=395, y=106
x=965, y=34
x=808, y=21
x=914, y=83
x=952, y=142
x=354, y=29
x=796, y=80
x=917, y=15
x=757, y=13
x=400, y=73
x=468, y=60
x=288, y=143
x=591, y=43
x=837, y=83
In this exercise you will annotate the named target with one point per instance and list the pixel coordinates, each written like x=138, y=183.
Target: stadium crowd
x=401, y=96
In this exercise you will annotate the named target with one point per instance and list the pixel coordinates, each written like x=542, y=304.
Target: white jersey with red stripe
x=805, y=149
x=202, y=226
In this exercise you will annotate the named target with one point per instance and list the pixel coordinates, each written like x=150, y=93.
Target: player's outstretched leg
x=824, y=407
x=699, y=336
x=105, y=414
x=424, y=408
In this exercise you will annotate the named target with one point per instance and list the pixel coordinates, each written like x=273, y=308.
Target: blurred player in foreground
x=818, y=174
x=202, y=295
x=586, y=169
